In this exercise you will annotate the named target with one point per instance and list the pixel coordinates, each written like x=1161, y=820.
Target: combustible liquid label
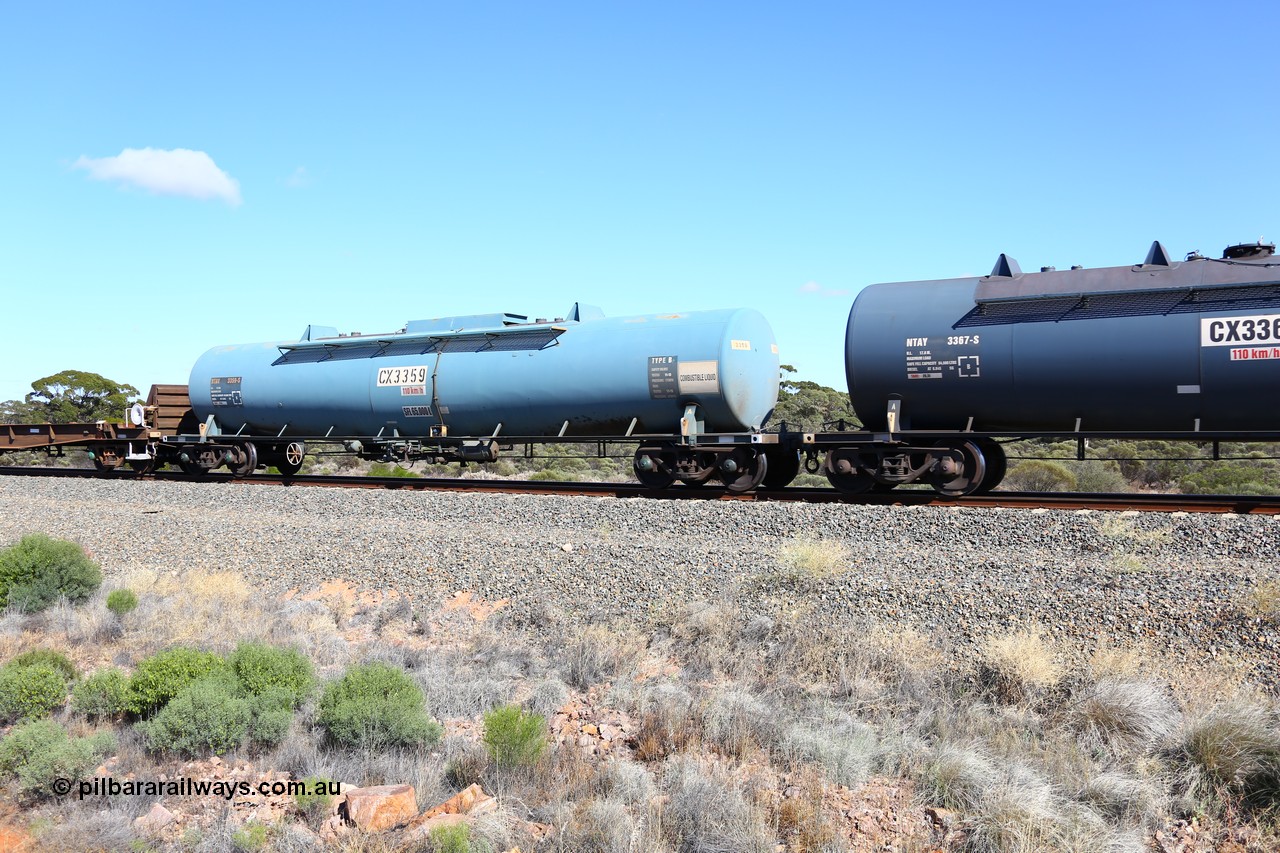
x=1254, y=353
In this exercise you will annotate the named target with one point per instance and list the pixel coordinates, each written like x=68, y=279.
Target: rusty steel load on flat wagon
x=1163, y=347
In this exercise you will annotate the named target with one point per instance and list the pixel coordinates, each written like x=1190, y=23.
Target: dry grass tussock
x=1227, y=757
x=1020, y=666
x=1264, y=602
x=1124, y=661
x=809, y=559
x=1124, y=715
x=195, y=607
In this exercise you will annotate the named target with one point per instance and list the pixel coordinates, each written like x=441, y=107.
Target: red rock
x=471, y=800
x=155, y=820
x=381, y=806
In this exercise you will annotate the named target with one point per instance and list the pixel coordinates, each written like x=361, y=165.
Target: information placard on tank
x=225, y=391
x=663, y=377
x=944, y=357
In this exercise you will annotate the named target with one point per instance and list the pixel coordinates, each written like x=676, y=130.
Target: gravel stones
x=1178, y=583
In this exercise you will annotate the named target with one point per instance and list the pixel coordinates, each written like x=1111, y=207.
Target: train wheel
x=784, y=466
x=955, y=479
x=843, y=471
x=653, y=467
x=192, y=469
x=743, y=470
x=246, y=460
x=291, y=463
x=997, y=464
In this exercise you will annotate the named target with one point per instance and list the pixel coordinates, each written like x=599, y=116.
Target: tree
x=17, y=412
x=809, y=407
x=75, y=396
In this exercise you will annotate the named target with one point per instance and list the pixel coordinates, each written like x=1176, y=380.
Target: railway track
x=1239, y=504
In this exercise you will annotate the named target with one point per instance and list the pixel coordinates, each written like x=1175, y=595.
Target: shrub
x=103, y=694
x=1040, y=475
x=271, y=714
x=514, y=737
x=1099, y=477
x=121, y=601
x=163, y=676
x=599, y=654
x=451, y=839
x=38, y=570
x=374, y=706
x=315, y=798
x=27, y=692
x=711, y=812
x=262, y=669
x=39, y=752
x=250, y=837
x=846, y=752
x=206, y=716
x=48, y=657
x=735, y=721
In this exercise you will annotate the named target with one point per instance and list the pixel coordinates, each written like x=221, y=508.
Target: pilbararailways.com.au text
x=107, y=786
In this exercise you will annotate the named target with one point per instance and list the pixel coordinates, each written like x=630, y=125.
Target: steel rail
x=1139, y=501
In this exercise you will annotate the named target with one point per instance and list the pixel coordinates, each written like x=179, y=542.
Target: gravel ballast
x=1180, y=584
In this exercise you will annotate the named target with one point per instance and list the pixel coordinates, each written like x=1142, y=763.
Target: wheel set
x=740, y=469
x=953, y=469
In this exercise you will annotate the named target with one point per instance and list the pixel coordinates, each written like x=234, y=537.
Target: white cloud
x=180, y=172
x=812, y=287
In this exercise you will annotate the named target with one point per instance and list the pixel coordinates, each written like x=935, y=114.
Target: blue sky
x=361, y=165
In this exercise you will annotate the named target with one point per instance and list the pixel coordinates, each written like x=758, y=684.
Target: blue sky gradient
x=400, y=161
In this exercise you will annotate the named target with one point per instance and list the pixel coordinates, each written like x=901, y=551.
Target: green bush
x=48, y=657
x=40, y=752
x=514, y=737
x=374, y=706
x=1040, y=475
x=1231, y=478
x=38, y=570
x=121, y=601
x=262, y=668
x=103, y=694
x=315, y=798
x=27, y=692
x=206, y=716
x=451, y=839
x=380, y=469
x=250, y=837
x=163, y=676
x=271, y=714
